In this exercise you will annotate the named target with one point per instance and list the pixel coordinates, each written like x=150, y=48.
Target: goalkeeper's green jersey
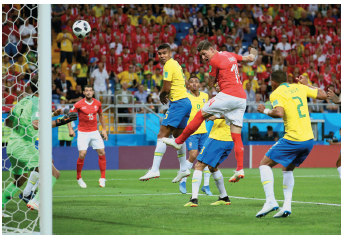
x=21, y=118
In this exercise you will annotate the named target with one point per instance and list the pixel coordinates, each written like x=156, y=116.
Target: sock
x=339, y=171
x=37, y=194
x=159, y=152
x=35, y=186
x=190, y=128
x=79, y=165
x=239, y=149
x=33, y=179
x=267, y=180
x=288, y=184
x=219, y=181
x=181, y=154
x=102, y=165
x=196, y=181
x=207, y=175
x=9, y=192
x=189, y=166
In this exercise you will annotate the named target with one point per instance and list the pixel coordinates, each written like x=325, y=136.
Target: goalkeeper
x=21, y=145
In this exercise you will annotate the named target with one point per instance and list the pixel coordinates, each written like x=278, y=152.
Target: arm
x=165, y=92
x=91, y=82
x=251, y=57
x=71, y=130
x=72, y=116
x=277, y=112
x=304, y=80
x=108, y=83
x=333, y=97
x=102, y=121
x=211, y=81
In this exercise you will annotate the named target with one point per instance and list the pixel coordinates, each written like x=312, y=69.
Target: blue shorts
x=196, y=142
x=287, y=152
x=178, y=113
x=215, y=152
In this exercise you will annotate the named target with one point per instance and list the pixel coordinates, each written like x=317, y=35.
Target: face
x=124, y=86
x=63, y=76
x=207, y=54
x=193, y=84
x=101, y=66
x=141, y=88
x=131, y=68
x=78, y=88
x=88, y=92
x=258, y=97
x=248, y=86
x=164, y=55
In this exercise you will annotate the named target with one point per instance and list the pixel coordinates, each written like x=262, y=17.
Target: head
x=201, y=69
x=141, y=88
x=88, y=91
x=206, y=50
x=278, y=77
x=164, y=53
x=131, y=68
x=63, y=77
x=191, y=31
x=101, y=66
x=157, y=89
x=263, y=88
x=257, y=97
x=194, y=84
x=248, y=86
x=78, y=88
x=270, y=128
x=124, y=86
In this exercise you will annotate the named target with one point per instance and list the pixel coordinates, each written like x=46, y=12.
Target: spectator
x=139, y=72
x=66, y=39
x=22, y=67
x=253, y=83
x=203, y=85
x=229, y=44
x=99, y=80
x=149, y=16
x=156, y=95
x=185, y=72
x=81, y=71
x=263, y=31
x=63, y=86
x=253, y=108
x=268, y=51
x=206, y=28
x=292, y=60
x=284, y=47
x=265, y=17
x=148, y=82
x=263, y=92
x=76, y=95
x=124, y=96
x=271, y=135
x=198, y=21
x=141, y=94
x=201, y=74
x=57, y=13
x=27, y=34
x=93, y=65
x=249, y=92
x=254, y=134
x=10, y=37
x=130, y=77
x=62, y=103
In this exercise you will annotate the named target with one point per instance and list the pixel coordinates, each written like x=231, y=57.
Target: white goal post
x=45, y=130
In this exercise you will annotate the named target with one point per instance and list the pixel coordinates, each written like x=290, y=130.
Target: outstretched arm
x=277, y=112
x=304, y=80
x=333, y=97
x=251, y=57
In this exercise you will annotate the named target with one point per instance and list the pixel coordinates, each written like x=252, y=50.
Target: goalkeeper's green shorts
x=23, y=157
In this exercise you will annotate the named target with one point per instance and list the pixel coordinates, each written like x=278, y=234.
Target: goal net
x=19, y=65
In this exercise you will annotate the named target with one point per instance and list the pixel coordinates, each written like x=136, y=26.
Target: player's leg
x=219, y=181
x=165, y=131
x=98, y=144
x=83, y=140
x=32, y=182
x=34, y=203
x=196, y=182
x=239, y=152
x=338, y=165
x=206, y=187
x=192, y=156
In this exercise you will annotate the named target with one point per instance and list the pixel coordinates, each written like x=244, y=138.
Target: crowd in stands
x=120, y=54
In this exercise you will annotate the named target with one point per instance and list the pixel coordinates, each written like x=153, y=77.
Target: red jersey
x=224, y=67
x=87, y=114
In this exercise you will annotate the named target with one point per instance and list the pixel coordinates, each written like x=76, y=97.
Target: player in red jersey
x=230, y=103
x=88, y=134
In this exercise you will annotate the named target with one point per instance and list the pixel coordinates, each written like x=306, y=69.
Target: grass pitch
x=127, y=206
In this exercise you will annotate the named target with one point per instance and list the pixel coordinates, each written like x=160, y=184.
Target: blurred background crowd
x=119, y=56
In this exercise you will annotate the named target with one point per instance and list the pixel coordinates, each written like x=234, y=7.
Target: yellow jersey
x=197, y=104
x=254, y=85
x=293, y=99
x=66, y=44
x=128, y=77
x=172, y=71
x=220, y=131
x=21, y=68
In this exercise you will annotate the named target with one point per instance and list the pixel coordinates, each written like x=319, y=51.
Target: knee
x=199, y=166
x=212, y=170
x=57, y=174
x=82, y=155
x=101, y=152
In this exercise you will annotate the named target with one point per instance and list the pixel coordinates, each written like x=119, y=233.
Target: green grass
x=129, y=206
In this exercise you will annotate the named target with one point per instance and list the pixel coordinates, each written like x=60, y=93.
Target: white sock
x=159, y=152
x=189, y=166
x=196, y=181
x=35, y=186
x=181, y=154
x=219, y=181
x=339, y=171
x=267, y=180
x=207, y=175
x=34, y=176
x=288, y=184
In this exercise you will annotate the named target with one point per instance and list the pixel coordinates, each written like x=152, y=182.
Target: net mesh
x=19, y=64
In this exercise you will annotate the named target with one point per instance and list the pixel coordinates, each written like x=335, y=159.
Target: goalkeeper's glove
x=69, y=117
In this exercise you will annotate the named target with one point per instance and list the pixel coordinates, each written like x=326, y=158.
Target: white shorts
x=93, y=138
x=231, y=107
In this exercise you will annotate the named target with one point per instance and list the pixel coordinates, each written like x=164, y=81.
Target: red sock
x=239, y=149
x=79, y=166
x=102, y=165
x=190, y=128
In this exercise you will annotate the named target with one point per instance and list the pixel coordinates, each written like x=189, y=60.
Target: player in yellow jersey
x=196, y=141
x=289, y=102
x=215, y=150
x=176, y=118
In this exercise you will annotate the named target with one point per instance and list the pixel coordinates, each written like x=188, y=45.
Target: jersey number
x=235, y=69
x=90, y=116
x=299, y=106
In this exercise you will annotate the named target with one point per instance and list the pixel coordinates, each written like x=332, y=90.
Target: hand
x=302, y=79
x=333, y=97
x=69, y=117
x=71, y=133
x=211, y=118
x=254, y=52
x=260, y=108
x=164, y=98
x=58, y=112
x=104, y=135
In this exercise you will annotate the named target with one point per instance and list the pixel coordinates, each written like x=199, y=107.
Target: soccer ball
x=81, y=29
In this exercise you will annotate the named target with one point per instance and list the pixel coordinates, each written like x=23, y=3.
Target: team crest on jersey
x=96, y=107
x=275, y=103
x=190, y=144
x=204, y=100
x=166, y=74
x=232, y=59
